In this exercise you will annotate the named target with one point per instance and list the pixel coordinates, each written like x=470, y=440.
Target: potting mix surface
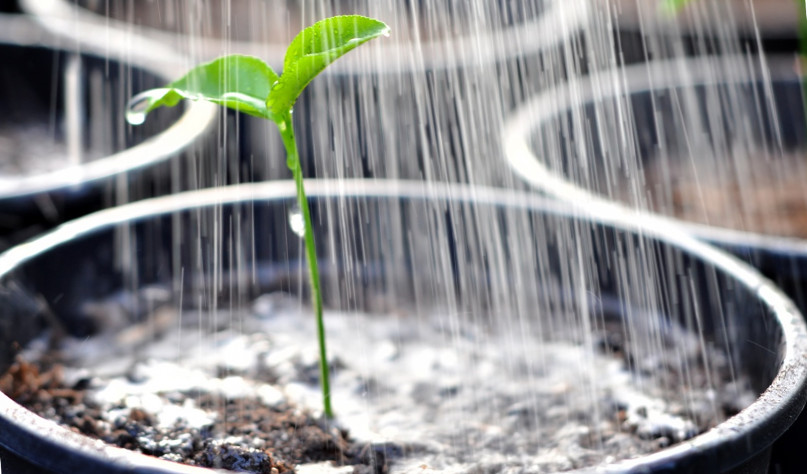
x=239, y=390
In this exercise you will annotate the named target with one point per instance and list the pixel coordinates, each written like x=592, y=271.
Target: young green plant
x=249, y=85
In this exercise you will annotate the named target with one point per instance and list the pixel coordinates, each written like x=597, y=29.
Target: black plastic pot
x=426, y=108
x=559, y=263
x=57, y=101
x=560, y=140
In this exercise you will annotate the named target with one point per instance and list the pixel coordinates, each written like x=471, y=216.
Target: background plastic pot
x=583, y=266
x=413, y=104
x=739, y=126
x=66, y=146
x=724, y=113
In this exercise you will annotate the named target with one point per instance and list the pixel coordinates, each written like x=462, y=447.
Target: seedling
x=249, y=85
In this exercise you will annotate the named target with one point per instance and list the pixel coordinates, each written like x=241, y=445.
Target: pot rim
x=622, y=82
x=782, y=400
x=570, y=16
x=198, y=118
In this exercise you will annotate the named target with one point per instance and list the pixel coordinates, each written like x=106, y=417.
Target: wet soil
x=764, y=196
x=240, y=391
x=246, y=434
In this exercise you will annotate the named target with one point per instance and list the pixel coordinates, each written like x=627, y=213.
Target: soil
x=240, y=391
x=765, y=195
x=244, y=433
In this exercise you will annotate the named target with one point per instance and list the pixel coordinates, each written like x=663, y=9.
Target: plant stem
x=293, y=162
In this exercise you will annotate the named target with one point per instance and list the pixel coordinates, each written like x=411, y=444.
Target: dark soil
x=249, y=436
x=475, y=402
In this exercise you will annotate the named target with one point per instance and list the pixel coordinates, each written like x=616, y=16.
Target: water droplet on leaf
x=139, y=105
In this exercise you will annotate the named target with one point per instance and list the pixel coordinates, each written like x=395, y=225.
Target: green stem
x=293, y=162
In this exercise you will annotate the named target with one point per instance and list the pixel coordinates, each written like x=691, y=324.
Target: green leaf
x=237, y=81
x=314, y=48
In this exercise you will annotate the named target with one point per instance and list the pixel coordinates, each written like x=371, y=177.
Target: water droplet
x=138, y=106
x=135, y=118
x=296, y=221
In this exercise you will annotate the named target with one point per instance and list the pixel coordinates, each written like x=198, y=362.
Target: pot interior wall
x=34, y=94
x=414, y=256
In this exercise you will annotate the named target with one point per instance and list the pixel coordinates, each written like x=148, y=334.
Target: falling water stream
x=497, y=354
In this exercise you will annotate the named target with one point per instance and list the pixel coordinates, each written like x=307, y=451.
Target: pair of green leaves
x=249, y=85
